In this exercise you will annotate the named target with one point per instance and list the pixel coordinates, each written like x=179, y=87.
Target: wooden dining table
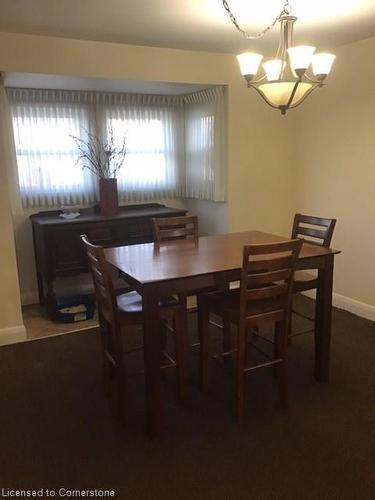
x=180, y=267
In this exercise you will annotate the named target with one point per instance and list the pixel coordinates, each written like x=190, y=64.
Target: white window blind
x=205, y=144
x=174, y=144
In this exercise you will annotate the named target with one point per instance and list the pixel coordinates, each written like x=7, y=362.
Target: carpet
x=57, y=430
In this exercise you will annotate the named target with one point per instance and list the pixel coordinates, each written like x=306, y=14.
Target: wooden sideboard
x=59, y=250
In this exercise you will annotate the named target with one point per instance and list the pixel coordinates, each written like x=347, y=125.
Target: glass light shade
x=249, y=63
x=322, y=63
x=273, y=69
x=278, y=93
x=300, y=56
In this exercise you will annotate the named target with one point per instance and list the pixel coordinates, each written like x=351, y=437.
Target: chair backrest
x=175, y=228
x=267, y=279
x=104, y=289
x=317, y=230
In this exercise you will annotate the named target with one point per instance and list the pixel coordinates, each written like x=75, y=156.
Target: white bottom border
x=12, y=334
x=356, y=307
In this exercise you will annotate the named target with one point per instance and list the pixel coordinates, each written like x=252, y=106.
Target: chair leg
x=203, y=330
x=227, y=343
x=281, y=341
x=120, y=372
x=106, y=368
x=163, y=340
x=276, y=349
x=240, y=383
x=289, y=324
x=180, y=336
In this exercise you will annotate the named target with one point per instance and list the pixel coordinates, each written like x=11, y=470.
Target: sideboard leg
x=51, y=297
x=39, y=278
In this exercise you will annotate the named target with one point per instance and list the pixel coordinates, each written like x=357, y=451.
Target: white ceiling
x=188, y=24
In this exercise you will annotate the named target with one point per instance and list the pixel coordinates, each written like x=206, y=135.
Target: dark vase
x=108, y=196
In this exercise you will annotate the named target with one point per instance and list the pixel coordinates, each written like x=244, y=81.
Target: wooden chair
x=264, y=296
x=175, y=228
x=318, y=231
x=178, y=228
x=117, y=312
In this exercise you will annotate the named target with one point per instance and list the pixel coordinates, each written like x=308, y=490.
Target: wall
x=11, y=325
x=261, y=189
x=335, y=162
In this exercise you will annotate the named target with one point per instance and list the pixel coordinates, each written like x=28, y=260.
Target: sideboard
x=59, y=250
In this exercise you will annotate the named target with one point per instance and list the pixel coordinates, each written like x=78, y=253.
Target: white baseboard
x=12, y=334
x=356, y=307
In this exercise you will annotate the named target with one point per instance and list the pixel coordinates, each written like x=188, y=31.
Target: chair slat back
x=267, y=278
x=317, y=230
x=175, y=228
x=104, y=289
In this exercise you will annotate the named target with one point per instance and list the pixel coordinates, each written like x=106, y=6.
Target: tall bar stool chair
x=174, y=229
x=264, y=296
x=318, y=231
x=117, y=313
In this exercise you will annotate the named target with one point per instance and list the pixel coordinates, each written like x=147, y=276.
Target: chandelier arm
x=258, y=80
x=313, y=80
x=293, y=93
x=287, y=9
x=305, y=96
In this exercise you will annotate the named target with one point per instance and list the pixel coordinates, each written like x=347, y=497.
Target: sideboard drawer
x=100, y=235
x=66, y=251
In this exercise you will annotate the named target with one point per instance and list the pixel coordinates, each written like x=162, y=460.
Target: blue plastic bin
x=73, y=308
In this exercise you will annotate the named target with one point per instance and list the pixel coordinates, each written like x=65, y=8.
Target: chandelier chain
x=285, y=12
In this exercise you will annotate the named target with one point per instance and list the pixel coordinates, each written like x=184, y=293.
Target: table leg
x=151, y=339
x=323, y=314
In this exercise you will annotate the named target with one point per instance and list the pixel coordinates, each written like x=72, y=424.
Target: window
x=152, y=163
x=170, y=145
x=46, y=155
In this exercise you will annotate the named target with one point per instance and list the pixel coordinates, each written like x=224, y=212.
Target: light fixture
x=286, y=80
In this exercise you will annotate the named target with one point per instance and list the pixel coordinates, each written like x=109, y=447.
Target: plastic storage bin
x=74, y=308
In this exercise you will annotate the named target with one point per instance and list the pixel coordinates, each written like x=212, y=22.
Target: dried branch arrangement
x=103, y=159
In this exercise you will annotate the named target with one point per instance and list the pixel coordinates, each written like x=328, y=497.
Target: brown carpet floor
x=57, y=429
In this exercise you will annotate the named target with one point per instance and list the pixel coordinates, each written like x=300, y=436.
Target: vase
x=108, y=196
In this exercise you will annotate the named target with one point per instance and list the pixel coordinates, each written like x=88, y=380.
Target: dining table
x=178, y=267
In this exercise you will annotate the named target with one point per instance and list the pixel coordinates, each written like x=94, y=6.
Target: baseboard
x=356, y=307
x=12, y=334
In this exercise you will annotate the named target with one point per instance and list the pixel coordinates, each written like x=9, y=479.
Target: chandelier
x=295, y=71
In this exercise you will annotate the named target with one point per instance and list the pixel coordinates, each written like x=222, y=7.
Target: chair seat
x=131, y=302
x=304, y=281
x=228, y=303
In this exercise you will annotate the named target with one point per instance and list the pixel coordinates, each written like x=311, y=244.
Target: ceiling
x=189, y=24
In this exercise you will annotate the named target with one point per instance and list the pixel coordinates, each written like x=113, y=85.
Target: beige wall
x=11, y=325
x=335, y=162
x=261, y=191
